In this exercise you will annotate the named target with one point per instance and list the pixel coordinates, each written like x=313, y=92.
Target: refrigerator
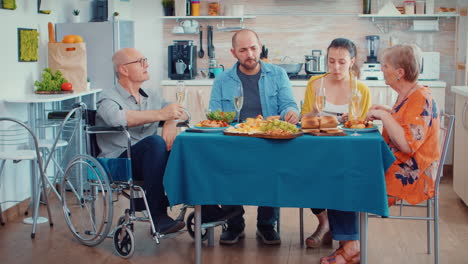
x=102, y=40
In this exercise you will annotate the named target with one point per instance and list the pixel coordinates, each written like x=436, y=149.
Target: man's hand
x=291, y=117
x=172, y=112
x=169, y=133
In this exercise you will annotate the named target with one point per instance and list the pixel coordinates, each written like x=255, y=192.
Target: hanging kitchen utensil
x=210, y=42
x=201, y=52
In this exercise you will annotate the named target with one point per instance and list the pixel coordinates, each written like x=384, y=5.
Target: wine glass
x=320, y=100
x=355, y=108
x=180, y=94
x=239, y=101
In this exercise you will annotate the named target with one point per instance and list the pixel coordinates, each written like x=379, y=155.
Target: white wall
x=17, y=78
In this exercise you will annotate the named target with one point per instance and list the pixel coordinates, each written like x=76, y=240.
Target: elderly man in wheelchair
x=141, y=110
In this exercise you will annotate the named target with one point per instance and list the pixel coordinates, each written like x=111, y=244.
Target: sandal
x=355, y=259
x=318, y=238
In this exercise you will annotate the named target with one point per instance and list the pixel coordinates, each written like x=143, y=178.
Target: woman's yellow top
x=309, y=97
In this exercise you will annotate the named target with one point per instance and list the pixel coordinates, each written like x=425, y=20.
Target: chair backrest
x=18, y=141
x=92, y=147
x=446, y=130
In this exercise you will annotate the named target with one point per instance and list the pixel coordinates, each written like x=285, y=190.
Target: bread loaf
x=310, y=122
x=328, y=121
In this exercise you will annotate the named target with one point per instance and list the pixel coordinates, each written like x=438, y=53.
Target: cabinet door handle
x=463, y=115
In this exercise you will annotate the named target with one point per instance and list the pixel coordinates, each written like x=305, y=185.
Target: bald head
x=123, y=56
x=242, y=34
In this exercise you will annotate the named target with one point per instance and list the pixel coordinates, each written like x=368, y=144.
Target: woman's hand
x=380, y=107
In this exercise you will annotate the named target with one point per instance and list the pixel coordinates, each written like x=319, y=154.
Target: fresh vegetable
x=50, y=81
x=67, y=86
x=221, y=116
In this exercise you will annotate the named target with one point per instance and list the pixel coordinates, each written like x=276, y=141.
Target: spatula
x=201, y=52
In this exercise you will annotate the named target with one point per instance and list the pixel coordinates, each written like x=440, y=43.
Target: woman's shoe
x=318, y=238
x=355, y=259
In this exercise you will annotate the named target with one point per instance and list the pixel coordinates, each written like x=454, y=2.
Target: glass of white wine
x=181, y=94
x=355, y=108
x=239, y=100
x=320, y=100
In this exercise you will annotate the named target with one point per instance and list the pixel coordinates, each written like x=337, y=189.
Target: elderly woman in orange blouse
x=411, y=129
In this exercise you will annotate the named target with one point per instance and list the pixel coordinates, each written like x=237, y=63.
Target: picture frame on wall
x=28, y=45
x=8, y=4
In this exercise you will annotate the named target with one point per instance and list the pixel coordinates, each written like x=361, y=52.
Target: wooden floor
x=390, y=241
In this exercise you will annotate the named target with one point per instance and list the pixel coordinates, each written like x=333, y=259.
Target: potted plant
x=115, y=16
x=76, y=16
x=168, y=6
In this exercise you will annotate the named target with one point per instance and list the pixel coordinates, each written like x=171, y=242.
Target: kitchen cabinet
x=460, y=158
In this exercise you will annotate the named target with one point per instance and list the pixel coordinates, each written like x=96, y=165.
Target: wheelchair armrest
x=59, y=115
x=104, y=129
x=180, y=124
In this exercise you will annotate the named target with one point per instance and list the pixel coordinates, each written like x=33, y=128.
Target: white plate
x=360, y=130
x=206, y=129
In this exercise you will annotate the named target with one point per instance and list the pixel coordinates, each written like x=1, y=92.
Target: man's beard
x=249, y=66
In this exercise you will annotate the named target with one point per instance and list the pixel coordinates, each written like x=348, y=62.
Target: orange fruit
x=72, y=39
x=69, y=39
x=78, y=39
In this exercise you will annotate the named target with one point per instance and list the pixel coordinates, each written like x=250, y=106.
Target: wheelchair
x=88, y=187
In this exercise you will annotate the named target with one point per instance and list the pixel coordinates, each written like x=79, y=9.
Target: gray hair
x=408, y=57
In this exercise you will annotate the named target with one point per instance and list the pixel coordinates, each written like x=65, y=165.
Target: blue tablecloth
x=344, y=173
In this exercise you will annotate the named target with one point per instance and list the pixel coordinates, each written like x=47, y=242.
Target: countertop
x=460, y=90
x=46, y=98
x=209, y=82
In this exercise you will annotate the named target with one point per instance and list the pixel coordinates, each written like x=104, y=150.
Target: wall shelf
x=384, y=25
x=177, y=18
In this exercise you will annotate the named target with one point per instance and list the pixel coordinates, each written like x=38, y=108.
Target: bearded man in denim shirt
x=267, y=92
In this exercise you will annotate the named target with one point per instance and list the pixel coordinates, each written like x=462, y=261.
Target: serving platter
x=261, y=135
x=205, y=129
x=360, y=130
x=323, y=133
x=53, y=92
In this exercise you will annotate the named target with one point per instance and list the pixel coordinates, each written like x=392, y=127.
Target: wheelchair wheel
x=124, y=241
x=87, y=200
x=191, y=227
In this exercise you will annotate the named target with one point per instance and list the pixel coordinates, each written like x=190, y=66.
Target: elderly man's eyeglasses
x=142, y=61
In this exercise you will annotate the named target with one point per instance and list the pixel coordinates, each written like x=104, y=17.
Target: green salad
x=221, y=116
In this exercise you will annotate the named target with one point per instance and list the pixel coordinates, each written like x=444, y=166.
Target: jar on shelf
x=410, y=7
x=213, y=8
x=195, y=7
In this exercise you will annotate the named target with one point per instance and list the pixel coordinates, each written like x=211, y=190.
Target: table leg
x=35, y=219
x=198, y=241
x=363, y=236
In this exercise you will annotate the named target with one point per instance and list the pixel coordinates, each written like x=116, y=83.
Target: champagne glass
x=239, y=101
x=320, y=100
x=355, y=108
x=180, y=94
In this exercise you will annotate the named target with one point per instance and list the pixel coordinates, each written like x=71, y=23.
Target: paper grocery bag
x=70, y=59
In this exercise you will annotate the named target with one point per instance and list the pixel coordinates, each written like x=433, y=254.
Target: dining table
x=336, y=172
